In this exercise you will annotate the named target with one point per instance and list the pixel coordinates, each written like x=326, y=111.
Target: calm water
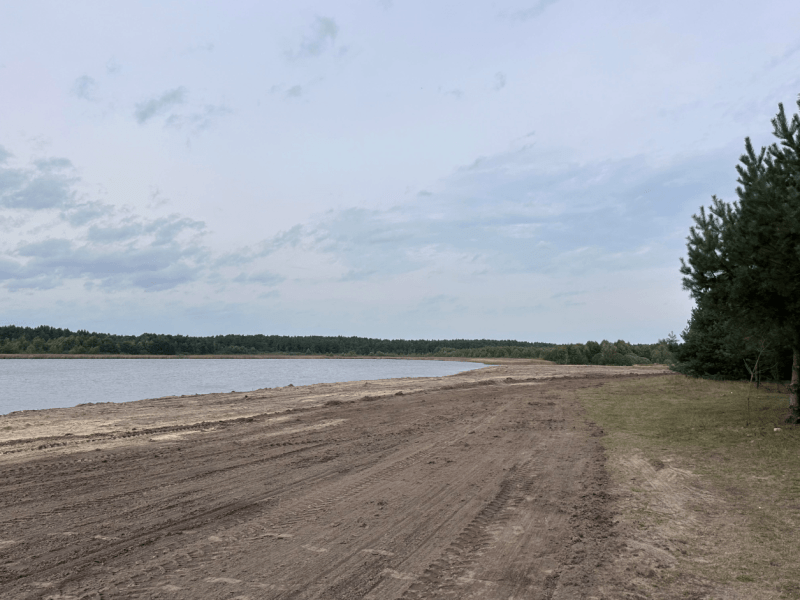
x=57, y=383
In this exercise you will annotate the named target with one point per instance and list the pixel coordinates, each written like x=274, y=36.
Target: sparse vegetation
x=702, y=475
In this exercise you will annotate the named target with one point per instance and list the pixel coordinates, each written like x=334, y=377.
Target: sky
x=521, y=169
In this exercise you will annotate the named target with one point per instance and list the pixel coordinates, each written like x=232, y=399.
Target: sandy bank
x=489, y=483
x=123, y=423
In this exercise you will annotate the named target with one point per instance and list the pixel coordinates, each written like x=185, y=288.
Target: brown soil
x=487, y=484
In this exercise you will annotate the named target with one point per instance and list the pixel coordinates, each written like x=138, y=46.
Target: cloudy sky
x=520, y=169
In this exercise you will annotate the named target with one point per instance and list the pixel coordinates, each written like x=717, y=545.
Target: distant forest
x=51, y=340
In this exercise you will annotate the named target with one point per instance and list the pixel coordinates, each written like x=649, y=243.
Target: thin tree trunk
x=793, y=389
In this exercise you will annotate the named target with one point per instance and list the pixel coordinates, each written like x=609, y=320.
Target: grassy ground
x=708, y=492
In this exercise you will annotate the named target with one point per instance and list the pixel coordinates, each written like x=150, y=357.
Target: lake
x=27, y=384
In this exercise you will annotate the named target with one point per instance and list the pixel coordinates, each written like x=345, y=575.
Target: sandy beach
x=490, y=483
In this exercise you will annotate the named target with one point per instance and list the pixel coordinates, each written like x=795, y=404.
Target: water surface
x=57, y=383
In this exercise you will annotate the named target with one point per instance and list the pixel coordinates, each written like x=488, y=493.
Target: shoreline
x=373, y=487
x=115, y=421
x=255, y=357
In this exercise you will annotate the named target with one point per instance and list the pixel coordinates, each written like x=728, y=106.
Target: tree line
x=51, y=340
x=743, y=270
x=619, y=353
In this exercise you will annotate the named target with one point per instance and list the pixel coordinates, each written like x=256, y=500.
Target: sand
x=489, y=484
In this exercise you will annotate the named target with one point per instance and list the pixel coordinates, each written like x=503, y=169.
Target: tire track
x=442, y=575
x=471, y=491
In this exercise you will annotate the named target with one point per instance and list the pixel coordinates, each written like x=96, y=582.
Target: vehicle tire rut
x=489, y=491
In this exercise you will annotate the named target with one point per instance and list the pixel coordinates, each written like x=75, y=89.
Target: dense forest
x=619, y=353
x=716, y=348
x=51, y=340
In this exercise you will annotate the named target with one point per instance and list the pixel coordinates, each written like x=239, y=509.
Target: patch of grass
x=699, y=465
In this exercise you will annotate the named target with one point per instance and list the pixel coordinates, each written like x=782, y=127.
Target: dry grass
x=708, y=492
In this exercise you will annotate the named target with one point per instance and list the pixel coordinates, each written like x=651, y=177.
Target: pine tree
x=744, y=257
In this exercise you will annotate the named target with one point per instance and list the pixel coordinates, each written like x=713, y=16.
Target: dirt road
x=488, y=484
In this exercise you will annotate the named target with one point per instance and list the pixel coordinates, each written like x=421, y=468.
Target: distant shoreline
x=251, y=356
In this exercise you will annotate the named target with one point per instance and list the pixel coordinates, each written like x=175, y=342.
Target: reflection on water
x=51, y=383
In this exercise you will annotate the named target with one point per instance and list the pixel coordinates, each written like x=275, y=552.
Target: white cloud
x=152, y=255
x=265, y=278
x=530, y=12
x=200, y=120
x=84, y=87
x=48, y=183
x=112, y=67
x=323, y=35
x=88, y=241
x=516, y=213
x=159, y=105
